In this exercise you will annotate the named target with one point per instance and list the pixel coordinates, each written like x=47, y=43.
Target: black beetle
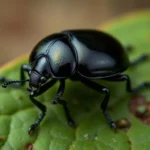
x=82, y=55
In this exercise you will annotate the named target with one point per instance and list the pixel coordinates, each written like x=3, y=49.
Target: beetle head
x=36, y=80
x=39, y=74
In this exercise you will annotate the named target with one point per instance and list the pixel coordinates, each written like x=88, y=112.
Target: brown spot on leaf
x=140, y=108
x=129, y=142
x=20, y=97
x=1, y=138
x=29, y=147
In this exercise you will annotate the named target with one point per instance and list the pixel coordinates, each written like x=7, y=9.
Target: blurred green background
x=24, y=22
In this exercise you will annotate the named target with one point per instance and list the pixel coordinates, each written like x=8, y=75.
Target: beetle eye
x=43, y=79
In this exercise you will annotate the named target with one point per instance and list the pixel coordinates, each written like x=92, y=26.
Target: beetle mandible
x=82, y=55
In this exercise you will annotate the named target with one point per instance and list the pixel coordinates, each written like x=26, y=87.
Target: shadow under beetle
x=82, y=55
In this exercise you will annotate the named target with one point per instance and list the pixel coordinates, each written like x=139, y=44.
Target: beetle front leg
x=104, y=103
x=41, y=116
x=33, y=94
x=63, y=103
x=24, y=68
x=17, y=83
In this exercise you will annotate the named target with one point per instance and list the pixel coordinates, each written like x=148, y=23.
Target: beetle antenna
x=5, y=84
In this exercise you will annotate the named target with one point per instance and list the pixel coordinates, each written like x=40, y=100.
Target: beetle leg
x=44, y=88
x=24, y=68
x=15, y=83
x=63, y=103
x=39, y=105
x=104, y=103
x=41, y=116
x=139, y=60
x=67, y=112
x=142, y=58
x=128, y=83
x=59, y=92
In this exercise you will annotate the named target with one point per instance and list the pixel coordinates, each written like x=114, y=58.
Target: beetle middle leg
x=104, y=103
x=63, y=103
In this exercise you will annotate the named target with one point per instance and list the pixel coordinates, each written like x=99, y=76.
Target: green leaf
x=17, y=112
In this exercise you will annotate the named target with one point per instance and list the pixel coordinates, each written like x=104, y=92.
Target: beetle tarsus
x=109, y=120
x=36, y=124
x=66, y=110
x=32, y=128
x=71, y=123
x=113, y=125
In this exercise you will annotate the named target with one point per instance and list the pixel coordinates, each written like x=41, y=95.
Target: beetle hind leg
x=128, y=83
x=142, y=58
x=139, y=60
x=104, y=103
